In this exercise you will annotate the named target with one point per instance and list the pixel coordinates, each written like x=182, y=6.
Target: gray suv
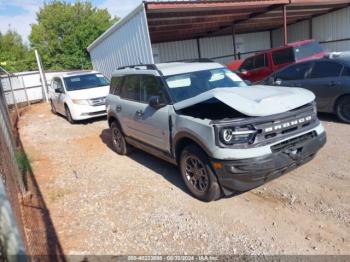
x=224, y=135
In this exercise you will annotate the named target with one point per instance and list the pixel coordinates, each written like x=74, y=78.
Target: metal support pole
x=25, y=91
x=285, y=25
x=311, y=33
x=234, y=41
x=42, y=75
x=271, y=38
x=199, y=48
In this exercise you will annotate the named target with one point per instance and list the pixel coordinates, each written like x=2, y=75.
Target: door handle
x=139, y=113
x=118, y=108
x=334, y=83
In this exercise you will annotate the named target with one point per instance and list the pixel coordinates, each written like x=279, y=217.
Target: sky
x=20, y=14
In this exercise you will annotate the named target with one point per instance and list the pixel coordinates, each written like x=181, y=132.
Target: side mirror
x=278, y=82
x=155, y=102
x=249, y=83
x=58, y=90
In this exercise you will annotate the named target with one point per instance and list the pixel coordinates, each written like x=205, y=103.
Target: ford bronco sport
x=224, y=136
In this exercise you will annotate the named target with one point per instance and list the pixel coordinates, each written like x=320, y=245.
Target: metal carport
x=196, y=24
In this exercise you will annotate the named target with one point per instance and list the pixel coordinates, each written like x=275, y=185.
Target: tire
x=53, y=108
x=343, y=109
x=69, y=115
x=198, y=175
x=118, y=140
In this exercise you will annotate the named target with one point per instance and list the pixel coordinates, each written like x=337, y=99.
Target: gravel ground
x=103, y=203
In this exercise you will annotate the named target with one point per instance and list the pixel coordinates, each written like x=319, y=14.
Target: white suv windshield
x=185, y=86
x=80, y=82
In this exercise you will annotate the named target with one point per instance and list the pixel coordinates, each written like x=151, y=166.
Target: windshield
x=79, y=82
x=308, y=50
x=185, y=86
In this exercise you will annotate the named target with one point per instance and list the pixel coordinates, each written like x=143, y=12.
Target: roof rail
x=197, y=60
x=333, y=55
x=140, y=66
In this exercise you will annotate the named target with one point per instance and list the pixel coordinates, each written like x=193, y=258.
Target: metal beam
x=234, y=41
x=285, y=25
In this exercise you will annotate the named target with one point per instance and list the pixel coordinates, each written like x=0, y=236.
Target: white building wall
x=176, y=51
x=325, y=28
x=125, y=43
x=219, y=48
x=26, y=85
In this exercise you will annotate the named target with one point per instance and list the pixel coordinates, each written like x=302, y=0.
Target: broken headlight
x=237, y=135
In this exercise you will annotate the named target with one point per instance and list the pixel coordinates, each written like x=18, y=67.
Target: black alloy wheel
x=198, y=174
x=343, y=109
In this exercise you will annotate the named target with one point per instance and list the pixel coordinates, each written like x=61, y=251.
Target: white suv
x=224, y=136
x=79, y=95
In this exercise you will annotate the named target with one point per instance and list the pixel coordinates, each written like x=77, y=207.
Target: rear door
x=128, y=104
x=326, y=82
x=282, y=57
x=256, y=68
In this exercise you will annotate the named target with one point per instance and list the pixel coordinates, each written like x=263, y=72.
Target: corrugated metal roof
x=181, y=20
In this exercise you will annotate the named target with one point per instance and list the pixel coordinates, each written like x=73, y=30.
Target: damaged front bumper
x=246, y=174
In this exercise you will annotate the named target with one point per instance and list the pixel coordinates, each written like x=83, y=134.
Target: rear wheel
x=119, y=143
x=69, y=115
x=198, y=175
x=343, y=109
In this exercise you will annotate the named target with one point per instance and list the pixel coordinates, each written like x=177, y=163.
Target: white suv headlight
x=83, y=102
x=234, y=135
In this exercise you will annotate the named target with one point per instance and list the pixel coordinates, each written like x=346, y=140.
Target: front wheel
x=343, y=109
x=69, y=115
x=197, y=174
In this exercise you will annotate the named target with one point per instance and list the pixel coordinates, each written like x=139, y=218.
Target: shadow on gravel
x=86, y=121
x=163, y=168
x=329, y=118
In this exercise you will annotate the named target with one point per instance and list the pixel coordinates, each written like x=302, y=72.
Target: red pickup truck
x=263, y=64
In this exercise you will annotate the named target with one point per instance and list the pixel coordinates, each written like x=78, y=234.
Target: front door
x=141, y=121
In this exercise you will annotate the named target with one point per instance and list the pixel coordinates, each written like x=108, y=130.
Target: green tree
x=14, y=54
x=64, y=31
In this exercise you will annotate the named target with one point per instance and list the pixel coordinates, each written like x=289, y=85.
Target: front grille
x=296, y=121
x=271, y=129
x=100, y=101
x=94, y=113
x=294, y=142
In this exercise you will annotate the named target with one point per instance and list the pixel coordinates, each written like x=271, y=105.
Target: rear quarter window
x=116, y=83
x=283, y=56
x=326, y=69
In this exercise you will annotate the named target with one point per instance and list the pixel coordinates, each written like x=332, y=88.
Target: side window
x=294, y=72
x=323, y=69
x=59, y=84
x=131, y=88
x=248, y=64
x=260, y=61
x=150, y=86
x=116, y=85
x=53, y=84
x=283, y=56
x=346, y=72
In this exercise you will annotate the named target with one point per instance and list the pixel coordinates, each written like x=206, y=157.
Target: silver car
x=224, y=135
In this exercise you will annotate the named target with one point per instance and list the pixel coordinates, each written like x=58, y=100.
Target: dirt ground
x=103, y=203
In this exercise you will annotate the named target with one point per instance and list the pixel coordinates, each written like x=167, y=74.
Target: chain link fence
x=11, y=190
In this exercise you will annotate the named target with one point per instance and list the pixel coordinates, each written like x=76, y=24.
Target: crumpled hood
x=255, y=100
x=89, y=93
